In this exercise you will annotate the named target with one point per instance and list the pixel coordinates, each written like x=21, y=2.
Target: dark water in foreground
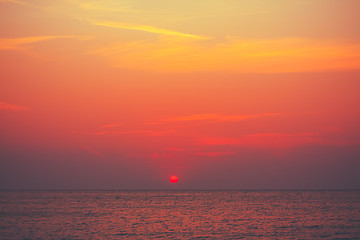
x=180, y=215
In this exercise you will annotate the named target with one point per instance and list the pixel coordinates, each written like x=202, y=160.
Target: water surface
x=180, y=215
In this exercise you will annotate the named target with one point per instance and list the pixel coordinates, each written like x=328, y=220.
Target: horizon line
x=159, y=190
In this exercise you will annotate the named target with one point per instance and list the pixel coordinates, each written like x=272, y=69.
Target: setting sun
x=174, y=179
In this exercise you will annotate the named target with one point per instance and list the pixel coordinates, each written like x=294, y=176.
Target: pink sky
x=224, y=95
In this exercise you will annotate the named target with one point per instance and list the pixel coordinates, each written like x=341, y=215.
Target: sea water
x=180, y=215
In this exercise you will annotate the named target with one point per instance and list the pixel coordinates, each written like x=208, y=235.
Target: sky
x=232, y=94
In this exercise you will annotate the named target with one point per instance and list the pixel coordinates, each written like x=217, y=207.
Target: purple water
x=180, y=215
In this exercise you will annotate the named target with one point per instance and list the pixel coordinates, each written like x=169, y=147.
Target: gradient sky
x=232, y=94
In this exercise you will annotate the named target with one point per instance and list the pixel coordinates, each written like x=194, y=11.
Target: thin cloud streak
x=174, y=54
x=13, y=1
x=111, y=125
x=275, y=140
x=304, y=134
x=176, y=149
x=215, y=154
x=146, y=28
x=87, y=148
x=18, y=43
x=103, y=6
x=13, y=107
x=217, y=117
x=137, y=132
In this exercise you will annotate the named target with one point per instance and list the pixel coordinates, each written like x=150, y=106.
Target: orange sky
x=224, y=94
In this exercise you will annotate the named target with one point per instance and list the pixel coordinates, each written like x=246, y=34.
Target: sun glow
x=174, y=179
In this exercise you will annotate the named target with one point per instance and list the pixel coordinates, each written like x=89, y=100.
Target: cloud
x=13, y=107
x=217, y=117
x=158, y=155
x=176, y=149
x=303, y=134
x=276, y=140
x=146, y=28
x=85, y=147
x=215, y=154
x=220, y=141
x=20, y=43
x=177, y=54
x=272, y=140
x=13, y=1
x=111, y=125
x=137, y=132
x=103, y=6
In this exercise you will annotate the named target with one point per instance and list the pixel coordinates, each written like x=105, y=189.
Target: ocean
x=180, y=215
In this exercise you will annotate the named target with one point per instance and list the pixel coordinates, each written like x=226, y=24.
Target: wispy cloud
x=217, y=117
x=174, y=54
x=268, y=140
x=111, y=125
x=13, y=107
x=215, y=154
x=158, y=155
x=103, y=6
x=214, y=141
x=146, y=28
x=176, y=149
x=14, y=1
x=302, y=134
x=137, y=132
x=276, y=140
x=21, y=43
x=87, y=148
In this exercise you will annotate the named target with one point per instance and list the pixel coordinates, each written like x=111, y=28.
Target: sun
x=174, y=179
